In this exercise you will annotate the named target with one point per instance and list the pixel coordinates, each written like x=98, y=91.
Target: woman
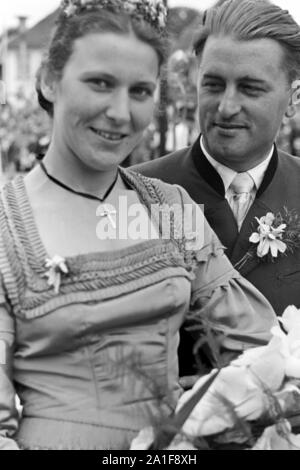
x=90, y=316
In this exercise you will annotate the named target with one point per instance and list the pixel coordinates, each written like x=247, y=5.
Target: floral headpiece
x=153, y=12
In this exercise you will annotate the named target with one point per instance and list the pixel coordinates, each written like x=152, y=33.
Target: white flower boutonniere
x=275, y=235
x=56, y=267
x=268, y=237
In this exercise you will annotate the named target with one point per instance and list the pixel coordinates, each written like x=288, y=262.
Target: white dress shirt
x=227, y=174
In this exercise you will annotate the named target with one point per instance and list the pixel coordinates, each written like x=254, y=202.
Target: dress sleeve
x=220, y=294
x=8, y=411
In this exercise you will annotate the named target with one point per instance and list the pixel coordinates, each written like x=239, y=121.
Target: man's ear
x=291, y=109
x=48, y=85
x=290, y=112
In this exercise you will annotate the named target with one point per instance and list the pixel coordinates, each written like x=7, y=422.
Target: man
x=249, y=59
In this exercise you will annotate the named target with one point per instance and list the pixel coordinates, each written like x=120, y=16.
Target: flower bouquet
x=253, y=403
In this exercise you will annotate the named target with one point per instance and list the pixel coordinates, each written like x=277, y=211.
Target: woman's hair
x=246, y=20
x=69, y=29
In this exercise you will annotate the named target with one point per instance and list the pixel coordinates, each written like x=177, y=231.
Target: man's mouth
x=109, y=135
x=229, y=126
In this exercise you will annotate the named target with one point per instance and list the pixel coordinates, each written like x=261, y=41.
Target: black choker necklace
x=79, y=193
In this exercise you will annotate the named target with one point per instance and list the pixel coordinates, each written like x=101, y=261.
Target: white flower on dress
x=268, y=237
x=56, y=267
x=70, y=10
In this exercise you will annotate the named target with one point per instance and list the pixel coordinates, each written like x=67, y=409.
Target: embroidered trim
x=91, y=277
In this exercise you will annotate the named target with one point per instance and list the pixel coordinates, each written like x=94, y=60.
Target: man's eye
x=251, y=90
x=141, y=93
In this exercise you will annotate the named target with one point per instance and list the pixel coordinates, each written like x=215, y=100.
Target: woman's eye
x=99, y=84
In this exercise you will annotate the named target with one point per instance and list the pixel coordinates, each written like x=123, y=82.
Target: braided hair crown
x=153, y=12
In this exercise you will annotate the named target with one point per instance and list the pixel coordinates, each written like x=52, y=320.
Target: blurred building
x=21, y=54
x=21, y=50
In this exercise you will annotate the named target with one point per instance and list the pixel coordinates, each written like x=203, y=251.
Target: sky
x=38, y=9
x=35, y=10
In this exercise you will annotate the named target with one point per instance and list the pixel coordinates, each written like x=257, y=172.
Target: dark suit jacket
x=279, y=281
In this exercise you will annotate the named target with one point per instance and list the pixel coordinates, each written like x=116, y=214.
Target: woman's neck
x=71, y=170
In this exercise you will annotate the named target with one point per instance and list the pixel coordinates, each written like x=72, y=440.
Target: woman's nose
x=118, y=108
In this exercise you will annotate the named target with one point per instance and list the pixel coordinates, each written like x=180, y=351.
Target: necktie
x=240, y=199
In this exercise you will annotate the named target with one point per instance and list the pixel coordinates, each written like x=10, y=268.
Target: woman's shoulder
x=12, y=183
x=171, y=193
x=190, y=224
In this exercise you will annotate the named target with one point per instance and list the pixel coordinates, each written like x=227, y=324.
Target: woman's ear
x=48, y=85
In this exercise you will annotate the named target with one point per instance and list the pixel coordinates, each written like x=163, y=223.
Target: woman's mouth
x=109, y=135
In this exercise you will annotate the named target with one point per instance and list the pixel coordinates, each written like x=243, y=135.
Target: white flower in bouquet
x=278, y=437
x=235, y=386
x=262, y=383
x=243, y=384
x=289, y=343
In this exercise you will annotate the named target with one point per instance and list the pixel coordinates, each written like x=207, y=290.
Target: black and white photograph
x=150, y=227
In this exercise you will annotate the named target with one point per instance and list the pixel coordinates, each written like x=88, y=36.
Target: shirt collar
x=227, y=174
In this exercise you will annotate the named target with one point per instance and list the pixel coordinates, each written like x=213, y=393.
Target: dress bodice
x=91, y=362
x=104, y=342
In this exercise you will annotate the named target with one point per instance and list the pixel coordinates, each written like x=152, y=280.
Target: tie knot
x=242, y=183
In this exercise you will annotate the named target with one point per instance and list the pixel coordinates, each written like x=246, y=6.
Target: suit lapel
x=221, y=219
x=216, y=208
x=206, y=170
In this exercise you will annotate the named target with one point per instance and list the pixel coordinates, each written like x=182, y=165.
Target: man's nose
x=118, y=108
x=229, y=103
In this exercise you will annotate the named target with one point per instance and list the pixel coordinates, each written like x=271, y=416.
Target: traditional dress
x=96, y=360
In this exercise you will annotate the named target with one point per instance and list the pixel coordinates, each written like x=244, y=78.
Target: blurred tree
x=179, y=20
x=162, y=117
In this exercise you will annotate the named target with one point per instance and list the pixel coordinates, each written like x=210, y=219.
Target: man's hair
x=245, y=20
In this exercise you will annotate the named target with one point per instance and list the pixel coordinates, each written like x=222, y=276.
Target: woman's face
x=104, y=99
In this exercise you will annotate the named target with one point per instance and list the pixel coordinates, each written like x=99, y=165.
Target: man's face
x=243, y=94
